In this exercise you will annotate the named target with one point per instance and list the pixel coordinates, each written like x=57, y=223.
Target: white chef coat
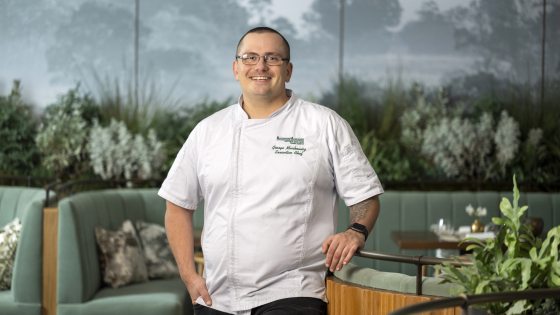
x=270, y=189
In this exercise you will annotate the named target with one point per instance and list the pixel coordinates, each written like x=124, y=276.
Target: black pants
x=290, y=306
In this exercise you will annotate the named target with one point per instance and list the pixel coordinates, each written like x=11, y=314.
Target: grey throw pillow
x=122, y=260
x=158, y=256
x=9, y=236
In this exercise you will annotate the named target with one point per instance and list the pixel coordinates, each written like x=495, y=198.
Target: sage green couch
x=80, y=290
x=24, y=297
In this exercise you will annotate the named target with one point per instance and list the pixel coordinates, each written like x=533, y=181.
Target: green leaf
x=515, y=193
x=481, y=287
x=525, y=273
x=498, y=220
x=459, y=275
x=472, y=247
x=554, y=276
x=505, y=207
x=554, y=235
x=518, y=307
x=520, y=212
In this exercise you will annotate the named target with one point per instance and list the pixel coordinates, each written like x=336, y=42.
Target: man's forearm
x=341, y=247
x=365, y=212
x=179, y=228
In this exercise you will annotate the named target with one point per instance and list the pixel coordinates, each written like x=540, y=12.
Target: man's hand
x=196, y=285
x=341, y=247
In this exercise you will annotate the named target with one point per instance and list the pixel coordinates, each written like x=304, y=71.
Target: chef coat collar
x=291, y=101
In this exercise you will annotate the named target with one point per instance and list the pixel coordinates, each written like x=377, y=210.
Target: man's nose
x=261, y=63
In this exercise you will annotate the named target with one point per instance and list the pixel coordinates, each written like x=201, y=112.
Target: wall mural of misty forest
x=463, y=93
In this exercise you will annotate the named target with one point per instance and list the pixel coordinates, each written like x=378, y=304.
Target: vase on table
x=477, y=226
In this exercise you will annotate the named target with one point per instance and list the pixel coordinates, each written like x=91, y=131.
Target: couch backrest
x=417, y=210
x=26, y=204
x=16, y=201
x=78, y=274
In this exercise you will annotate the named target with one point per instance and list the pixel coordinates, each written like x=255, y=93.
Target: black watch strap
x=360, y=229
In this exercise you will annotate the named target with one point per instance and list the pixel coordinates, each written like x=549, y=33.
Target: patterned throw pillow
x=9, y=236
x=159, y=259
x=122, y=261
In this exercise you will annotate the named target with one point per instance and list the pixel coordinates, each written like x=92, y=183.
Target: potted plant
x=515, y=260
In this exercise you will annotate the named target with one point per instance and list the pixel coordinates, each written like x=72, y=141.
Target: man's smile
x=260, y=78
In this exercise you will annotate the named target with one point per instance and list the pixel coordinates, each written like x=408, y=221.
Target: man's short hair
x=264, y=29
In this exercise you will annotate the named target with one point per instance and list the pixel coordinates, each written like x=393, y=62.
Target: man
x=268, y=169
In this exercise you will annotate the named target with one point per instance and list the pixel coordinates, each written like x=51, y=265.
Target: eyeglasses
x=253, y=59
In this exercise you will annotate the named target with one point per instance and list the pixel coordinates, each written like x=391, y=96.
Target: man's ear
x=289, y=70
x=235, y=70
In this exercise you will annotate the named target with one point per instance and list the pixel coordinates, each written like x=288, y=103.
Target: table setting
x=445, y=230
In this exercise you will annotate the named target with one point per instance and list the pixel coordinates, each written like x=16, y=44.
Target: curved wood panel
x=351, y=299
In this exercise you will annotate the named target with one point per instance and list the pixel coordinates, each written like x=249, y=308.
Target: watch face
x=359, y=228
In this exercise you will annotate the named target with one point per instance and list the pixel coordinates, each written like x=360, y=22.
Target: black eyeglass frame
x=244, y=59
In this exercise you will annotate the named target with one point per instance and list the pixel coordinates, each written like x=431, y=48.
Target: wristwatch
x=360, y=229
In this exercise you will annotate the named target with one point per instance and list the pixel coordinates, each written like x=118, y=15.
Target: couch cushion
x=122, y=260
x=167, y=296
x=157, y=253
x=9, y=307
x=9, y=236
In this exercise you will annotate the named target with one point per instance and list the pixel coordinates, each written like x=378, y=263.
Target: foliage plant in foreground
x=514, y=261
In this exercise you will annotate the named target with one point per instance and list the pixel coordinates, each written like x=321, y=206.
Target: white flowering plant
x=476, y=212
x=459, y=144
x=116, y=153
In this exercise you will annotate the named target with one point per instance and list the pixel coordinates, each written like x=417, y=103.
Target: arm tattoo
x=359, y=210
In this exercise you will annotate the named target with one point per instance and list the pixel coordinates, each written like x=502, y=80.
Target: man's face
x=261, y=80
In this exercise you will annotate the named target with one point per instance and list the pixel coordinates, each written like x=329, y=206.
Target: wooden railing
x=27, y=181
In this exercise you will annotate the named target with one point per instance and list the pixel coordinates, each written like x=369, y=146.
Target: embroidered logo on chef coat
x=289, y=145
x=291, y=140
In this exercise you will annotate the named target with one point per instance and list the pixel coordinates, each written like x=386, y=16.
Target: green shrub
x=116, y=99
x=387, y=158
x=18, y=152
x=174, y=125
